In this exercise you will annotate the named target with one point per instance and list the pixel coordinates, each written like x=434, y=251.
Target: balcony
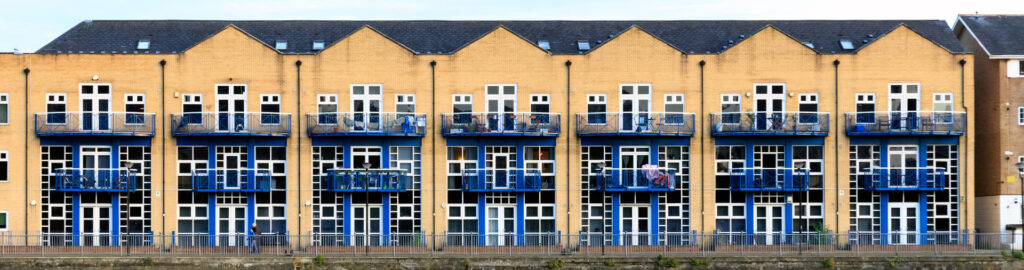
x=231, y=180
x=767, y=124
x=231, y=124
x=645, y=179
x=904, y=179
x=94, y=180
x=366, y=124
x=777, y=179
x=497, y=180
x=95, y=124
x=905, y=123
x=372, y=180
x=500, y=124
x=634, y=124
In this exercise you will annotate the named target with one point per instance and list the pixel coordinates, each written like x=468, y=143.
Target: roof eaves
x=886, y=33
x=616, y=36
x=372, y=29
x=766, y=26
x=499, y=26
x=960, y=21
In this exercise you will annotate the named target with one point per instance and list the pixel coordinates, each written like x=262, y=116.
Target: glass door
x=362, y=224
x=366, y=158
x=635, y=225
x=631, y=160
x=769, y=105
x=95, y=104
x=635, y=107
x=904, y=103
x=231, y=106
x=366, y=104
x=768, y=223
x=902, y=166
x=233, y=175
x=501, y=176
x=501, y=225
x=231, y=227
x=96, y=167
x=501, y=107
x=96, y=224
x=903, y=223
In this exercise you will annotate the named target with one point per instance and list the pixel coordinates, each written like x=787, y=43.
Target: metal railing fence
x=553, y=243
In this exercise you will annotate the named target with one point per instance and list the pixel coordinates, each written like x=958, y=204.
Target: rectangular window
x=730, y=109
x=192, y=106
x=865, y=108
x=270, y=106
x=405, y=103
x=540, y=106
x=134, y=107
x=3, y=221
x=461, y=160
x=1020, y=68
x=327, y=106
x=808, y=109
x=541, y=160
x=942, y=107
x=462, y=106
x=596, y=109
x=1019, y=160
x=56, y=107
x=3, y=166
x=4, y=110
x=675, y=106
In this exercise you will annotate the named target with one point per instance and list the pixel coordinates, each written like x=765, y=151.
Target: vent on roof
x=544, y=44
x=281, y=45
x=808, y=44
x=583, y=45
x=143, y=44
x=846, y=44
x=318, y=45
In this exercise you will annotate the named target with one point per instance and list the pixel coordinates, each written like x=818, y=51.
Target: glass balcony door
x=904, y=103
x=631, y=160
x=366, y=104
x=769, y=105
x=361, y=224
x=96, y=167
x=768, y=223
x=903, y=223
x=96, y=225
x=95, y=104
x=501, y=107
x=501, y=224
x=232, y=176
x=231, y=106
x=902, y=166
x=231, y=229
x=636, y=225
x=635, y=107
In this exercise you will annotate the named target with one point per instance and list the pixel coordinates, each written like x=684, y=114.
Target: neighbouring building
x=999, y=79
x=491, y=132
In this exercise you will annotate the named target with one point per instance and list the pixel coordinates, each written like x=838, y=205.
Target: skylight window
x=846, y=44
x=544, y=44
x=143, y=44
x=583, y=45
x=809, y=44
x=318, y=45
x=281, y=45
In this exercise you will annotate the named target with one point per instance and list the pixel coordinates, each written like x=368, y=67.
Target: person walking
x=254, y=246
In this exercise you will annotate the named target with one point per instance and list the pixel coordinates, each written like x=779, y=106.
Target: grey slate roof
x=445, y=37
x=999, y=34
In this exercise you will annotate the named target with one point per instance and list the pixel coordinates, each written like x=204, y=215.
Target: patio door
x=769, y=163
x=501, y=107
x=768, y=223
x=501, y=225
x=231, y=106
x=904, y=103
x=96, y=167
x=96, y=225
x=233, y=175
x=902, y=166
x=366, y=104
x=231, y=227
x=95, y=103
x=636, y=225
x=631, y=160
x=364, y=221
x=903, y=223
x=635, y=107
x=769, y=105
x=501, y=176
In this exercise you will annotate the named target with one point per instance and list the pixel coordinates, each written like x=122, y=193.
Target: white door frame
x=636, y=226
x=367, y=119
x=764, y=224
x=100, y=236
x=902, y=154
x=639, y=155
x=769, y=110
x=96, y=99
x=498, y=216
x=232, y=110
x=376, y=213
x=234, y=172
x=900, y=103
x=232, y=233
x=903, y=223
x=97, y=155
x=500, y=111
x=639, y=106
x=501, y=175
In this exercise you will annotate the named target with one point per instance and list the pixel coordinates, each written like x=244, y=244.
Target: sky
x=29, y=25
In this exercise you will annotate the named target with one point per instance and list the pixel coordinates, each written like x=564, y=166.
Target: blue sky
x=28, y=25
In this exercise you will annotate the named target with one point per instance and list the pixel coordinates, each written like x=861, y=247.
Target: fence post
x=780, y=244
x=935, y=243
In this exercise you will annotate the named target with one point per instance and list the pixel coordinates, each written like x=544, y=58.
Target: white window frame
x=462, y=99
x=540, y=99
x=731, y=99
x=540, y=217
x=4, y=99
x=1013, y=69
x=405, y=99
x=865, y=98
x=675, y=99
x=61, y=99
x=808, y=99
x=326, y=99
x=4, y=158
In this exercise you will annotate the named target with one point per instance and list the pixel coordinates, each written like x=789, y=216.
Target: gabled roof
x=999, y=35
x=445, y=37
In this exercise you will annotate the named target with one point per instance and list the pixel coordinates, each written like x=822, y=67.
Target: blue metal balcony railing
x=769, y=123
x=645, y=179
x=372, y=180
x=635, y=124
x=95, y=124
x=488, y=180
x=501, y=124
x=906, y=123
x=94, y=180
x=904, y=179
x=776, y=179
x=231, y=180
x=231, y=124
x=366, y=124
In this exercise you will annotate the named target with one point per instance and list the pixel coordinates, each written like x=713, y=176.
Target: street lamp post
x=366, y=206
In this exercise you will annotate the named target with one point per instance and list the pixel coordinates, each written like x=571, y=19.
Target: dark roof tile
x=999, y=34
